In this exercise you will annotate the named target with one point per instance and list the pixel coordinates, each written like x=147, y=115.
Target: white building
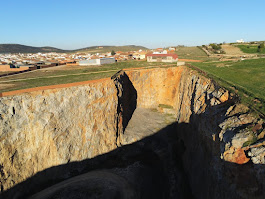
x=240, y=41
x=97, y=61
x=153, y=57
x=160, y=52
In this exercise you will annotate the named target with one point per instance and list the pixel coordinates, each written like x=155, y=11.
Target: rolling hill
x=103, y=49
x=18, y=48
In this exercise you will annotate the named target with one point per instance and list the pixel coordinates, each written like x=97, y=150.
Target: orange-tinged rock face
x=45, y=128
x=156, y=86
x=224, y=97
x=235, y=155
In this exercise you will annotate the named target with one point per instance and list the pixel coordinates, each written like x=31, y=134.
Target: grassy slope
x=191, y=53
x=250, y=49
x=247, y=77
x=45, y=77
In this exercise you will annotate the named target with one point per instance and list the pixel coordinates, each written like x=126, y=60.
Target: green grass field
x=192, y=53
x=246, y=77
x=250, y=49
x=45, y=77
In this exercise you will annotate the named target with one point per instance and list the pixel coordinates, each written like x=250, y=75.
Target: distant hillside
x=103, y=49
x=17, y=48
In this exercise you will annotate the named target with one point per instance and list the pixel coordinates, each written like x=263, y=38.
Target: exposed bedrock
x=147, y=133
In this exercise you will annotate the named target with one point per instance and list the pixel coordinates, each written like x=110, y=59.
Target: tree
x=260, y=47
x=113, y=52
x=216, y=46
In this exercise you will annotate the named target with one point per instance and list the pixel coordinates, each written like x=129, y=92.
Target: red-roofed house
x=170, y=57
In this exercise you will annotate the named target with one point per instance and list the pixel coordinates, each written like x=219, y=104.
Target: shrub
x=216, y=46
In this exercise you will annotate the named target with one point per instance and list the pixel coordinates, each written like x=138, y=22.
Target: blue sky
x=71, y=24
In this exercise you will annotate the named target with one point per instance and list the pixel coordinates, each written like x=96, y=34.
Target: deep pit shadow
x=152, y=167
x=127, y=97
x=209, y=175
x=178, y=161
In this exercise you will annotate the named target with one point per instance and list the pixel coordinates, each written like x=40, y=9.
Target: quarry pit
x=144, y=133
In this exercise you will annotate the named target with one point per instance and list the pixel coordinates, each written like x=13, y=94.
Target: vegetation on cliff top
x=246, y=78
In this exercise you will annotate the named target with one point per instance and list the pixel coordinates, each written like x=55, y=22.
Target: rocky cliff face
x=52, y=127
x=220, y=134
x=218, y=144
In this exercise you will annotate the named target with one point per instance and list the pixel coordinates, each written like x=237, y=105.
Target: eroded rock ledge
x=222, y=143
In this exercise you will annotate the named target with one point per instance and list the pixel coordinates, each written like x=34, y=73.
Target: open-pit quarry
x=144, y=133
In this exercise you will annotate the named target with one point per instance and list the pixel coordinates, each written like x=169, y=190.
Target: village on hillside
x=14, y=63
x=20, y=62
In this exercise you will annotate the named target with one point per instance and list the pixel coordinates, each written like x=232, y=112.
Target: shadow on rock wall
x=150, y=168
x=209, y=175
x=127, y=97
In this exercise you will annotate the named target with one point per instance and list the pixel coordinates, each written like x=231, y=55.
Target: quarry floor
x=141, y=173
x=146, y=122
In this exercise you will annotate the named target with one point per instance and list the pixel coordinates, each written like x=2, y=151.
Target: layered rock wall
x=219, y=134
x=46, y=128
x=156, y=86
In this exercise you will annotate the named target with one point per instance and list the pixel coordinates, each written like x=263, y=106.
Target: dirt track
x=190, y=60
x=68, y=67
